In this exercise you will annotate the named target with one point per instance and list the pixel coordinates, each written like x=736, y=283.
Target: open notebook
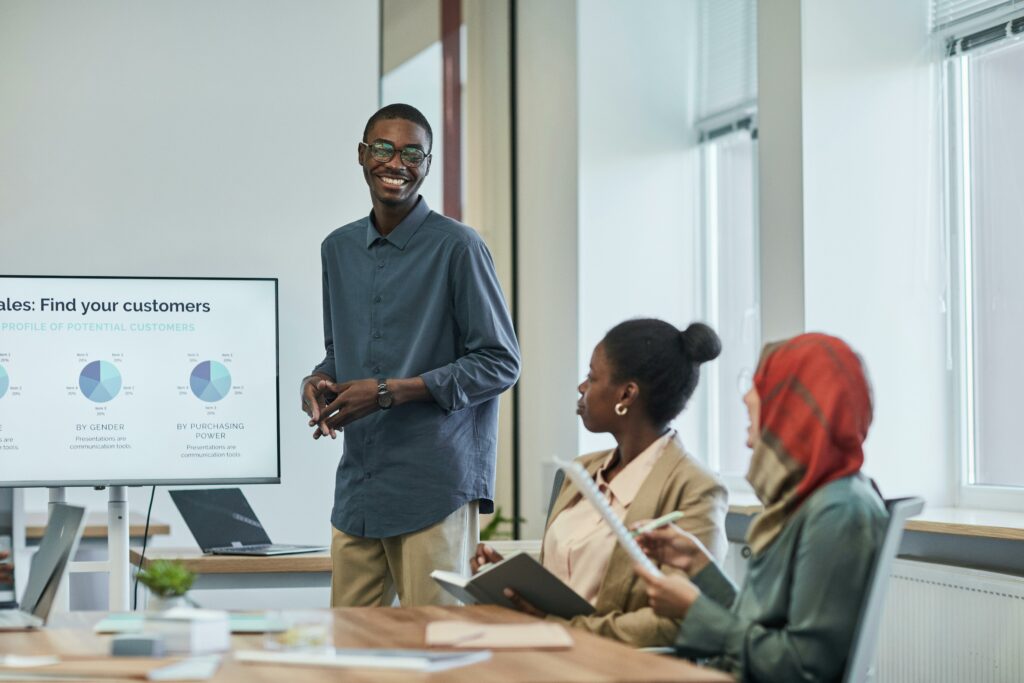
x=521, y=573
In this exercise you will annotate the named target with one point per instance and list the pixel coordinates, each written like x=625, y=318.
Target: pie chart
x=99, y=381
x=5, y=381
x=210, y=381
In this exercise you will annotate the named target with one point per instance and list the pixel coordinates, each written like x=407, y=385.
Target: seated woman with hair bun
x=641, y=376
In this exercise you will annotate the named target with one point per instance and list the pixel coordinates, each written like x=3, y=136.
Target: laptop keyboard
x=15, y=618
x=269, y=548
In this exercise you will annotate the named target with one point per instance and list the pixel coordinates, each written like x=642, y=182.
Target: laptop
x=49, y=564
x=223, y=524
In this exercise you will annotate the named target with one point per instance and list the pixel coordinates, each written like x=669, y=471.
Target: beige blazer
x=677, y=482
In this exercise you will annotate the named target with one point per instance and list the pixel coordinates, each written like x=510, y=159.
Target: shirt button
x=380, y=265
x=376, y=369
x=367, y=475
x=376, y=335
x=376, y=299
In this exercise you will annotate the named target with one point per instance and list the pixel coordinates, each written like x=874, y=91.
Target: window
x=732, y=290
x=985, y=92
x=727, y=87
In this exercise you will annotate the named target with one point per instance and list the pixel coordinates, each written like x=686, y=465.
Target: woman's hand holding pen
x=671, y=595
x=674, y=547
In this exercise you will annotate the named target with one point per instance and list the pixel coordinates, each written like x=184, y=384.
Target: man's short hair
x=406, y=112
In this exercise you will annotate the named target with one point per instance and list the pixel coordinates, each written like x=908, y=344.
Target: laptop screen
x=219, y=517
x=56, y=550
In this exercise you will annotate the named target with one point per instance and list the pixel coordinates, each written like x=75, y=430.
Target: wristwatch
x=384, y=396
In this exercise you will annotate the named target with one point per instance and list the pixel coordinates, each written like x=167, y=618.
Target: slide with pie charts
x=138, y=380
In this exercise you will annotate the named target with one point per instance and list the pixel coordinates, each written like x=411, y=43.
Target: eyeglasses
x=384, y=151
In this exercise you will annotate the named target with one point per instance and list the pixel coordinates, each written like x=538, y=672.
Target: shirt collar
x=404, y=231
x=627, y=483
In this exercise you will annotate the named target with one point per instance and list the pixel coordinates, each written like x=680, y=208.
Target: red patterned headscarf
x=815, y=414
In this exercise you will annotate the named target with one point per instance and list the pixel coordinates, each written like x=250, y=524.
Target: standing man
x=419, y=347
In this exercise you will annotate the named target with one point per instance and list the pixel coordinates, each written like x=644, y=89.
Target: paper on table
x=238, y=622
x=579, y=476
x=92, y=667
x=537, y=635
x=27, y=661
x=191, y=669
x=412, y=660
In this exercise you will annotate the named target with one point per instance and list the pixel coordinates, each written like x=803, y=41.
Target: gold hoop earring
x=620, y=409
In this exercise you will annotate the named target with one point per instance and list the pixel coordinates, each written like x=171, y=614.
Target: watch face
x=384, y=397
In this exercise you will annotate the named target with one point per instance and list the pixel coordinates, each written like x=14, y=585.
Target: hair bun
x=700, y=343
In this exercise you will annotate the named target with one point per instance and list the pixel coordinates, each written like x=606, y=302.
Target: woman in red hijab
x=813, y=544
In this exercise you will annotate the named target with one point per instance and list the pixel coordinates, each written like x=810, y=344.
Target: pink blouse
x=578, y=545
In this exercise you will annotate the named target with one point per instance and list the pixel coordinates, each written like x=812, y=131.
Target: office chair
x=860, y=665
x=556, y=487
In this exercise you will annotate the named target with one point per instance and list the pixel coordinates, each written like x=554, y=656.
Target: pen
x=664, y=520
x=472, y=635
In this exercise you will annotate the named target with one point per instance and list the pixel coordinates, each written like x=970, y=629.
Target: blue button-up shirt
x=423, y=301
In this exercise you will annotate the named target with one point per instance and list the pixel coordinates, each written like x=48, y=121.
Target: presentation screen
x=125, y=381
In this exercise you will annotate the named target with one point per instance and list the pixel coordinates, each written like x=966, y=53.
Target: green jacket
x=793, y=620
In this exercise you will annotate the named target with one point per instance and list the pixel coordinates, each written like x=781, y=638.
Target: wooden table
x=314, y=569
x=306, y=570
x=591, y=658
x=96, y=526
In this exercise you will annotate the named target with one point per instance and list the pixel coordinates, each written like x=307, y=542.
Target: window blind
x=727, y=73
x=952, y=14
x=1006, y=28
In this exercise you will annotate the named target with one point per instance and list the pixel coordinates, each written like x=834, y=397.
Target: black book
x=524, y=575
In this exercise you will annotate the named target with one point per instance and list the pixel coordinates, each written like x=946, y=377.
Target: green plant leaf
x=500, y=527
x=166, y=578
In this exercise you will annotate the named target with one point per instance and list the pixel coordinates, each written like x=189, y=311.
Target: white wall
x=144, y=138
x=873, y=235
x=547, y=213
x=639, y=183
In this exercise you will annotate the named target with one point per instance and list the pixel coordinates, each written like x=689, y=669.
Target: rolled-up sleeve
x=327, y=365
x=490, y=362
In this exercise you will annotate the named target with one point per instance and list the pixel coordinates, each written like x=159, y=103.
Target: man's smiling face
x=393, y=183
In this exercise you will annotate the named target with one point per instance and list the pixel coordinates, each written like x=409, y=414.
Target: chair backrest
x=556, y=488
x=860, y=664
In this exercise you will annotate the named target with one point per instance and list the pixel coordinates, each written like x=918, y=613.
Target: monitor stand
x=116, y=565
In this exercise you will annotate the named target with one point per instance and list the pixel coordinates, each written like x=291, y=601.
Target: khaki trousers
x=367, y=572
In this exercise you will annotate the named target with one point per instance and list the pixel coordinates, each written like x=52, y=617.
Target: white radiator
x=945, y=623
